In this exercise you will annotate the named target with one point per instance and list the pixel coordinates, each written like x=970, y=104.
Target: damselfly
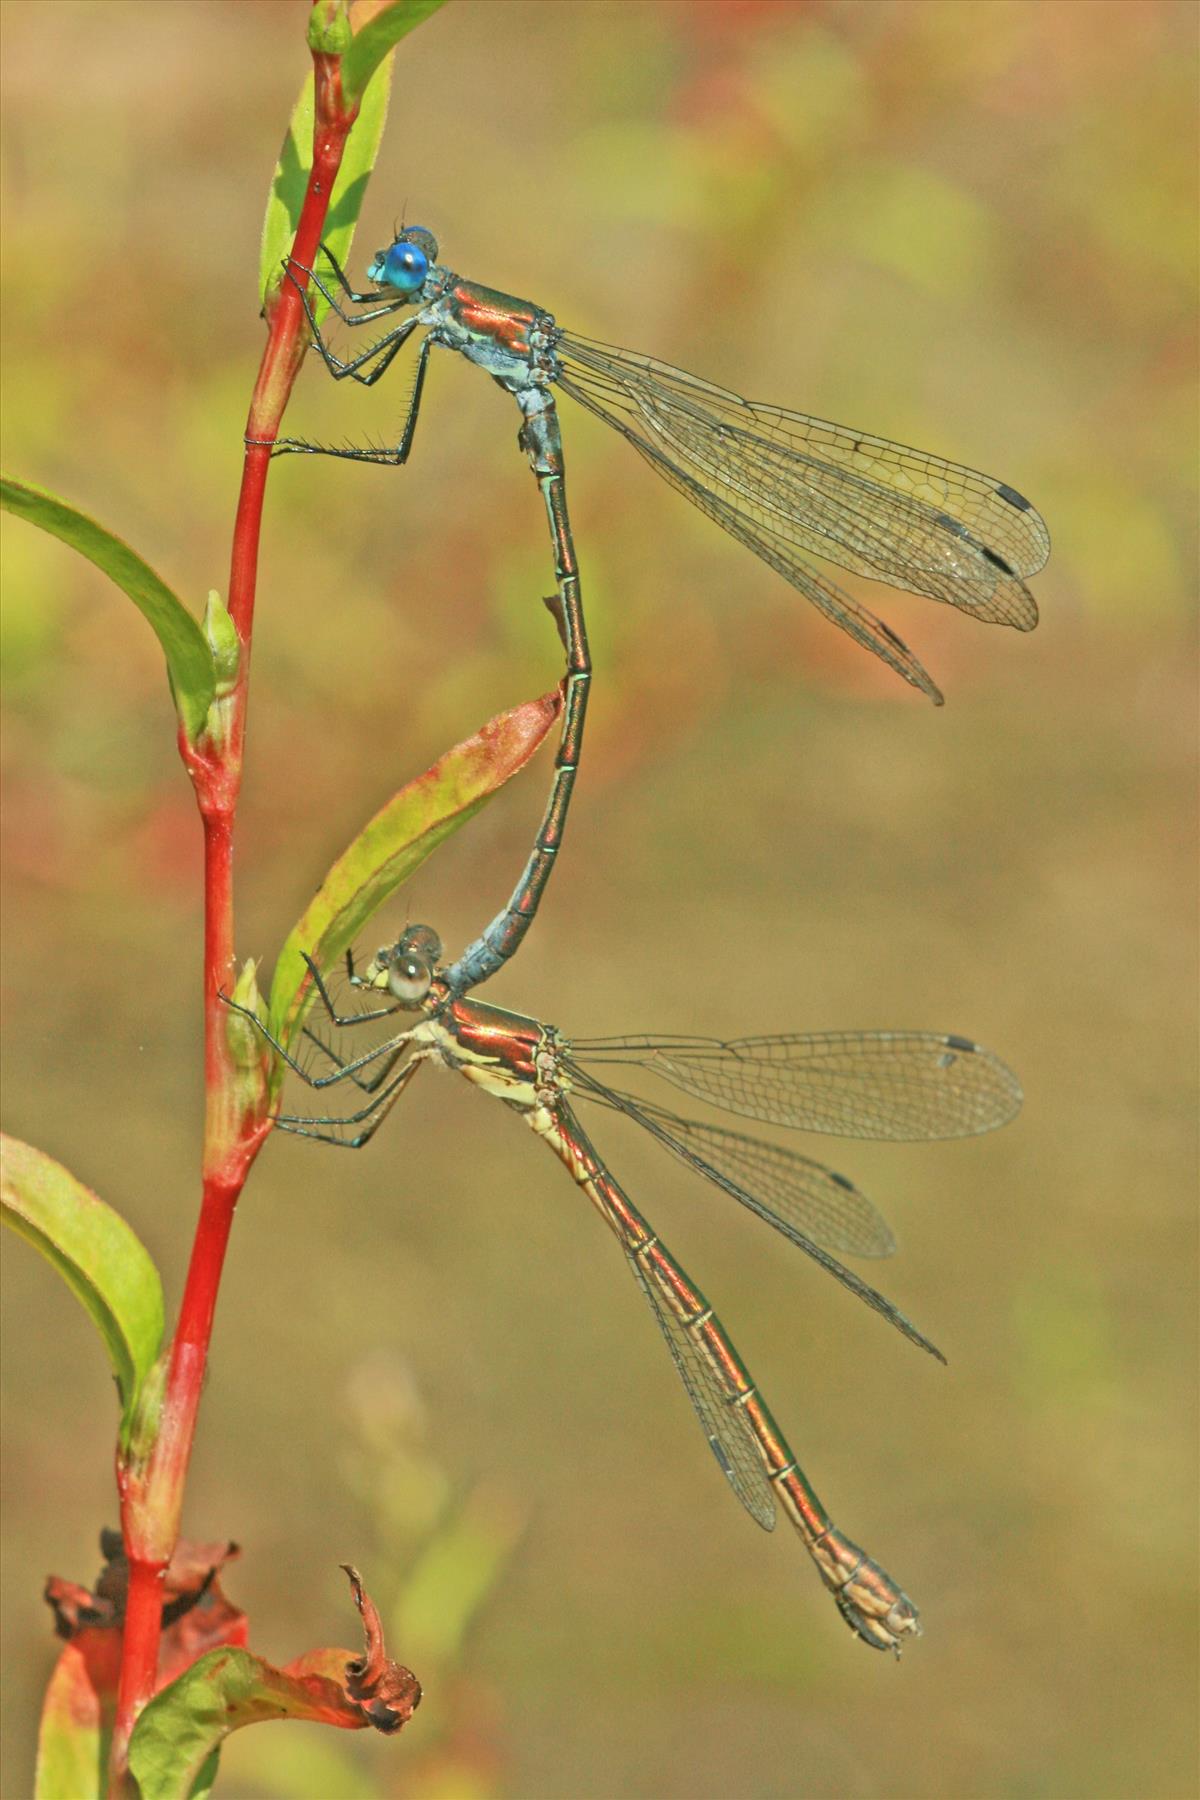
x=782, y=483
x=886, y=1084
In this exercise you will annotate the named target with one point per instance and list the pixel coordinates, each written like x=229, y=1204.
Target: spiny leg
x=345, y=1070
x=390, y=342
x=390, y=302
x=390, y=1052
x=365, y=1084
x=343, y=1020
x=390, y=347
x=303, y=1125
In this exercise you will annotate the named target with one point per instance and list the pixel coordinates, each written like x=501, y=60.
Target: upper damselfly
x=902, y=1085
x=786, y=485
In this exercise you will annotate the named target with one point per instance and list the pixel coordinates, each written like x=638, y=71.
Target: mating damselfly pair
x=787, y=486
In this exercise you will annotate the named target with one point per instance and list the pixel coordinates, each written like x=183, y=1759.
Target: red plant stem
x=152, y=1491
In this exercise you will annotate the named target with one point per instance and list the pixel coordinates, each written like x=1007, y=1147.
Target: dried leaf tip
x=387, y=1692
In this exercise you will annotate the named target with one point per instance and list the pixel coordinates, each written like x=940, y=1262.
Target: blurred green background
x=967, y=227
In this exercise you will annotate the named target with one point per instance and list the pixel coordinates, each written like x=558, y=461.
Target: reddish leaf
x=179, y=1733
x=77, y=1718
x=80, y=1703
x=209, y=1684
x=196, y=1615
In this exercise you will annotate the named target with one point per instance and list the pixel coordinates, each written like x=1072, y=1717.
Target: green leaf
x=101, y=1260
x=372, y=43
x=291, y=181
x=178, y=1733
x=189, y=660
x=395, y=843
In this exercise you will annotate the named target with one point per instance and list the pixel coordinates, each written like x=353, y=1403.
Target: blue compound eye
x=403, y=267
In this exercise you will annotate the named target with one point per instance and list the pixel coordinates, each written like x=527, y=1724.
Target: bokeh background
x=969, y=227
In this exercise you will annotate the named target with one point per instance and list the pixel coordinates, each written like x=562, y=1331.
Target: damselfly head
x=406, y=968
x=406, y=262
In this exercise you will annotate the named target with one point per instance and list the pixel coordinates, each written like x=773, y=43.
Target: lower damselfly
x=786, y=485
x=901, y=1085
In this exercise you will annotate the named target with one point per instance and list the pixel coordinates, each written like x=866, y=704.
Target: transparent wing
x=782, y=482
x=840, y=608
x=682, y=1312
x=801, y=1198
x=903, y=1085
x=662, y=1125
x=882, y=509
x=729, y=1435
